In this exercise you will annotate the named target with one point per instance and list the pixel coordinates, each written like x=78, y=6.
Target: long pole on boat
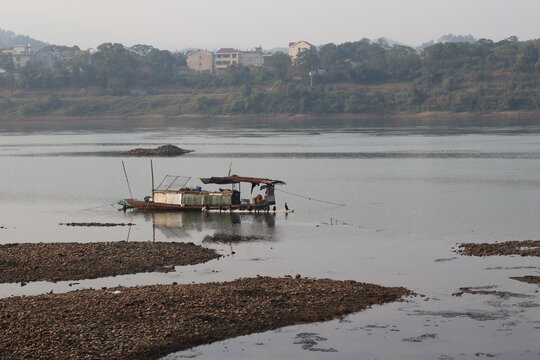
x=127, y=181
x=152, y=171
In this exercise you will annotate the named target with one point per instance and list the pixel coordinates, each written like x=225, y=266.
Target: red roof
x=226, y=51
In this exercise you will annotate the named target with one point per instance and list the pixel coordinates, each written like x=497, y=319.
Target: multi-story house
x=252, y=58
x=201, y=61
x=21, y=54
x=296, y=47
x=50, y=58
x=226, y=57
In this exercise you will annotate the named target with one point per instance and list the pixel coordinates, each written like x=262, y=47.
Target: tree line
x=358, y=77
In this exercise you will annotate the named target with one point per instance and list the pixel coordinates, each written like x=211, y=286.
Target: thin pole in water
x=127, y=181
x=152, y=171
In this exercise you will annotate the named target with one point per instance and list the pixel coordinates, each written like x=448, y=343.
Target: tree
x=403, y=62
x=161, y=63
x=306, y=61
x=529, y=54
x=6, y=62
x=114, y=61
x=280, y=64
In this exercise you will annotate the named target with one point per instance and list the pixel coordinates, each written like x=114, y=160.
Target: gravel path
x=150, y=321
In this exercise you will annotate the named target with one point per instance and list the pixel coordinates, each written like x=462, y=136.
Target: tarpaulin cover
x=238, y=179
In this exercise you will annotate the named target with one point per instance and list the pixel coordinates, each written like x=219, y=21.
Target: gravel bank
x=151, y=321
x=77, y=261
x=531, y=279
x=523, y=248
x=165, y=151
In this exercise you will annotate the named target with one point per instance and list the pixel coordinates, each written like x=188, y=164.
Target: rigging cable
x=310, y=198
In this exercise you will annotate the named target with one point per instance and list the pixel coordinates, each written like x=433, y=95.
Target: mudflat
x=76, y=261
x=515, y=247
x=148, y=322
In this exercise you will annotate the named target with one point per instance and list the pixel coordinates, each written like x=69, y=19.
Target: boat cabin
x=172, y=194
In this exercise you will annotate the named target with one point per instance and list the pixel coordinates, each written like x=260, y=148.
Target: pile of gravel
x=165, y=151
x=148, y=322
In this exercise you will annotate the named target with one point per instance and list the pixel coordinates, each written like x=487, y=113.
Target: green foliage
x=360, y=77
x=280, y=64
x=41, y=107
x=6, y=62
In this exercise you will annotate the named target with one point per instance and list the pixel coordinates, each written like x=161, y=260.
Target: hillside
x=8, y=39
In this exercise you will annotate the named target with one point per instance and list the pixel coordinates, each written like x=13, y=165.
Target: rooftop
x=226, y=51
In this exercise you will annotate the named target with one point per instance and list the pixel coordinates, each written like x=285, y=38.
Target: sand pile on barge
x=164, y=151
x=77, y=261
x=150, y=321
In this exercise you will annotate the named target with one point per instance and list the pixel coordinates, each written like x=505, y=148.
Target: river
x=378, y=203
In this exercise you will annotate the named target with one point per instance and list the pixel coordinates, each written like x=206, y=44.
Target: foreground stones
x=77, y=261
x=165, y=150
x=523, y=248
x=151, y=321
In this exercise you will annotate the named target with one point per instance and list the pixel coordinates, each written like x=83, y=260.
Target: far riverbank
x=50, y=122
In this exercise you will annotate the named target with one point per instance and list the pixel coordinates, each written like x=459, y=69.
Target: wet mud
x=222, y=238
x=309, y=341
x=531, y=279
x=445, y=259
x=148, y=322
x=478, y=315
x=76, y=261
x=522, y=248
x=164, y=151
x=421, y=338
x=505, y=295
x=95, y=224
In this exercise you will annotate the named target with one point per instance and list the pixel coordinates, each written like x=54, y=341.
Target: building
x=252, y=58
x=299, y=46
x=201, y=61
x=21, y=54
x=226, y=57
x=48, y=59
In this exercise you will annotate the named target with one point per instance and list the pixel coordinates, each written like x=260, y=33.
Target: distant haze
x=172, y=24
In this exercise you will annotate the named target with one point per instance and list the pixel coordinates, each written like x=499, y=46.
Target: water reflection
x=225, y=227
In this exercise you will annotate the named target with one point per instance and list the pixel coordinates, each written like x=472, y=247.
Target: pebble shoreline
x=149, y=322
x=523, y=248
x=76, y=261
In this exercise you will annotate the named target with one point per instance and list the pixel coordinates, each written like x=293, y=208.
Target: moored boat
x=172, y=194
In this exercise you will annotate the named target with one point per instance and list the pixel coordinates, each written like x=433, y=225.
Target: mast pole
x=127, y=181
x=152, y=171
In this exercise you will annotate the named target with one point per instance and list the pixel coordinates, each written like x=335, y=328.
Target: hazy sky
x=178, y=24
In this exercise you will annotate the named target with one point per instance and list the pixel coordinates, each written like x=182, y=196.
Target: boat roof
x=172, y=183
x=235, y=179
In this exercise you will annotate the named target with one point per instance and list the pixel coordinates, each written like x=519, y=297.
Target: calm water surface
x=410, y=193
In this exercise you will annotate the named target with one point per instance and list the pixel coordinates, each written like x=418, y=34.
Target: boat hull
x=240, y=208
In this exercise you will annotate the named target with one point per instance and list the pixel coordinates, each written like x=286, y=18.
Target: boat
x=172, y=194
